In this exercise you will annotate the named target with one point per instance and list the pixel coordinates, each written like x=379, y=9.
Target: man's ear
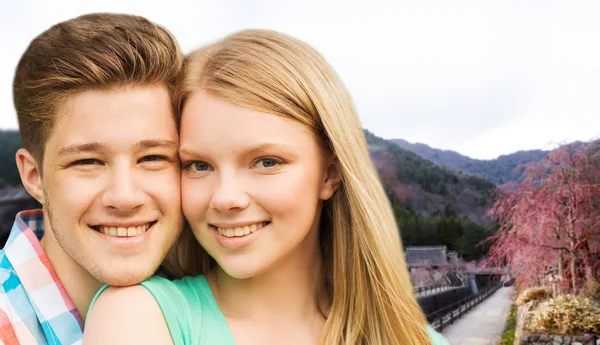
x=332, y=179
x=31, y=176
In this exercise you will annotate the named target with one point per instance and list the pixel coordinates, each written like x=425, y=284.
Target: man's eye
x=87, y=162
x=153, y=158
x=198, y=166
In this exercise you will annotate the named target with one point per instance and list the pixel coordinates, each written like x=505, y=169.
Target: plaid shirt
x=34, y=306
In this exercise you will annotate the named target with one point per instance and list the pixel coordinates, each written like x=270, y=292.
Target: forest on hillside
x=433, y=204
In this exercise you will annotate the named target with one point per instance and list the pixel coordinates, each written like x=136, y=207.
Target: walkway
x=483, y=325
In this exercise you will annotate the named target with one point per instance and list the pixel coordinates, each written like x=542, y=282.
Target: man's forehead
x=104, y=147
x=129, y=117
x=150, y=100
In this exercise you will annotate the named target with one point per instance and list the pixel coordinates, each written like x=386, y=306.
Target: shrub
x=566, y=314
x=534, y=294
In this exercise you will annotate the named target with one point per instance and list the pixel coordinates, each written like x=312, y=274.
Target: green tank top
x=192, y=313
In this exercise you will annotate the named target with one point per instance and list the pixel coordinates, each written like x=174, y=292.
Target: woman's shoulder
x=110, y=298
x=125, y=315
x=180, y=299
x=190, y=309
x=436, y=338
x=189, y=289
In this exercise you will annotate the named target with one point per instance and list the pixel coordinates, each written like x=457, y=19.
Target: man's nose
x=123, y=192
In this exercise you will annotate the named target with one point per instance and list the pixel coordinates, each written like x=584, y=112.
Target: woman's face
x=252, y=185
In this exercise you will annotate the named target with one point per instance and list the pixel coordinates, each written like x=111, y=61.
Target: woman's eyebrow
x=278, y=147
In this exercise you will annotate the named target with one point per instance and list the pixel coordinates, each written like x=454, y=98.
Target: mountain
x=506, y=168
x=434, y=205
x=427, y=188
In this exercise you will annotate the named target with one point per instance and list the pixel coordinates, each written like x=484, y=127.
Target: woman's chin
x=240, y=270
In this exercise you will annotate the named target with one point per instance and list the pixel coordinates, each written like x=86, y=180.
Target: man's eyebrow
x=78, y=148
x=101, y=148
x=152, y=143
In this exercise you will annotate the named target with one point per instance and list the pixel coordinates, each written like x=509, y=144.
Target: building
x=429, y=256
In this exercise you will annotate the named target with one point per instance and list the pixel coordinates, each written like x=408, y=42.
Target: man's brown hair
x=90, y=52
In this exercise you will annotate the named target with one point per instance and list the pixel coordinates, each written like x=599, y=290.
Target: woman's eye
x=198, y=166
x=267, y=163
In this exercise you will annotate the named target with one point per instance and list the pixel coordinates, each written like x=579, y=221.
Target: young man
x=93, y=98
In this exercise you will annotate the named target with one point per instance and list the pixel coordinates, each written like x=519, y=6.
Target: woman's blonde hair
x=366, y=277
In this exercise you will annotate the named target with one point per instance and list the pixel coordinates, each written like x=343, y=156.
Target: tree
x=548, y=222
x=449, y=210
x=449, y=231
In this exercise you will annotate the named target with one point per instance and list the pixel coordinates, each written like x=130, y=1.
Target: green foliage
x=481, y=185
x=508, y=336
x=457, y=233
x=10, y=142
x=449, y=210
x=471, y=245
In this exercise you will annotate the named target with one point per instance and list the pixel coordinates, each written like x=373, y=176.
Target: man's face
x=111, y=182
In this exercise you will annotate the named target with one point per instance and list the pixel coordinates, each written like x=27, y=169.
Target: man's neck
x=80, y=285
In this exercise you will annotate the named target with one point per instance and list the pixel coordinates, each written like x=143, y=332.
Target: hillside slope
x=505, y=168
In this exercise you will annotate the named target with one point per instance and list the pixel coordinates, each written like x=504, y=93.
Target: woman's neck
x=292, y=289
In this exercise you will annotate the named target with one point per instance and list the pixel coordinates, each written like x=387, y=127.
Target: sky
x=483, y=78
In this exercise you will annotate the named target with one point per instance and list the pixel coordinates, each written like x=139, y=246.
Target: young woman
x=299, y=244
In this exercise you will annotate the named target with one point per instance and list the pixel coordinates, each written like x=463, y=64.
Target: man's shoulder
x=17, y=314
x=7, y=273
x=13, y=297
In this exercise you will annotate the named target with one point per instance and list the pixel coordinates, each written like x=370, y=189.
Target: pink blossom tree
x=549, y=222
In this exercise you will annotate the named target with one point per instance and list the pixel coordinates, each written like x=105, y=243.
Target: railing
x=431, y=289
x=447, y=315
x=438, y=289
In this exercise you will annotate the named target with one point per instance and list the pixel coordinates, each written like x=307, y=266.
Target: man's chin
x=125, y=278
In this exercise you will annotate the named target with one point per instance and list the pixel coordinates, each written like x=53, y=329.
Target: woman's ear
x=332, y=180
x=30, y=173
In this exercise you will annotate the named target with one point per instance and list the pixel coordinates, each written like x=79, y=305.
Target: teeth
x=123, y=231
x=241, y=231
